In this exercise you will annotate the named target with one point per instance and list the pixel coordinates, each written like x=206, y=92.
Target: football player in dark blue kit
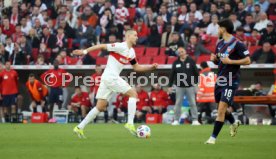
x=229, y=56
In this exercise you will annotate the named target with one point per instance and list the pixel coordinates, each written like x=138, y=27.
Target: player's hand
x=226, y=60
x=78, y=52
x=154, y=66
x=213, y=57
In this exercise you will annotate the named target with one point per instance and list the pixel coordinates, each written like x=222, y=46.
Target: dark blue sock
x=217, y=127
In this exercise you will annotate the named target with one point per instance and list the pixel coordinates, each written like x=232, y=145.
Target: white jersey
x=120, y=55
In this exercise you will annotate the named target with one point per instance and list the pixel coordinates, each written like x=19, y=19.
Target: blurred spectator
x=235, y=21
x=143, y=106
x=226, y=12
x=25, y=47
x=262, y=23
x=149, y=17
x=268, y=34
x=249, y=23
x=62, y=41
x=40, y=60
x=80, y=102
x=191, y=24
x=197, y=14
x=158, y=99
x=38, y=28
x=203, y=24
x=25, y=26
x=214, y=10
x=161, y=25
x=40, y=5
x=4, y=55
x=235, y=4
x=85, y=35
x=249, y=6
x=175, y=27
x=254, y=39
x=205, y=6
x=90, y=16
x=264, y=54
x=240, y=35
x=142, y=31
x=172, y=6
x=37, y=15
x=9, y=45
x=38, y=93
x=241, y=12
x=271, y=8
x=177, y=42
x=62, y=15
x=263, y=4
x=46, y=53
x=2, y=37
x=259, y=90
x=257, y=12
x=183, y=14
x=9, y=91
x=195, y=48
x=16, y=36
x=68, y=30
x=24, y=10
x=106, y=21
x=48, y=39
x=163, y=12
x=107, y=6
x=220, y=4
x=154, y=38
x=14, y=18
x=213, y=27
x=17, y=57
x=121, y=13
x=272, y=90
x=166, y=38
x=33, y=38
x=7, y=28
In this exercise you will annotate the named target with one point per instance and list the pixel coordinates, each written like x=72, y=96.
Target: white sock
x=89, y=117
x=131, y=109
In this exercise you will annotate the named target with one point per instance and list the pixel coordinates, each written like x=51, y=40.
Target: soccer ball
x=143, y=131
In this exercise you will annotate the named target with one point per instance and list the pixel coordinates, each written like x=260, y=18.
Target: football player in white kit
x=120, y=55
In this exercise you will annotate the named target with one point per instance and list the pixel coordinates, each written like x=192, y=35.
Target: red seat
x=70, y=43
x=272, y=17
x=35, y=53
x=274, y=49
x=202, y=58
x=94, y=54
x=162, y=51
x=101, y=61
x=171, y=59
x=139, y=51
x=213, y=40
x=252, y=49
x=211, y=47
x=159, y=59
x=144, y=60
x=152, y=51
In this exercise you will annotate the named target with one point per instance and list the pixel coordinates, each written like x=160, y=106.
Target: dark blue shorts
x=225, y=94
x=55, y=95
x=9, y=100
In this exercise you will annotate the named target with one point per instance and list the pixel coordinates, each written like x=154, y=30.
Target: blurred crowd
x=40, y=31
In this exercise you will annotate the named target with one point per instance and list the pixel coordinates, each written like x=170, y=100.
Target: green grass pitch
x=111, y=141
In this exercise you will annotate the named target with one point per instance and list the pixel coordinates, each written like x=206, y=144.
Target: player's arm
x=243, y=54
x=141, y=68
x=214, y=58
x=92, y=48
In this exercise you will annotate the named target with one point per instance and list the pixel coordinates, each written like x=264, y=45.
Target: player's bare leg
x=222, y=108
x=131, y=111
x=101, y=106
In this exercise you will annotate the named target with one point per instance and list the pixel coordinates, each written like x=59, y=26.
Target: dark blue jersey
x=235, y=50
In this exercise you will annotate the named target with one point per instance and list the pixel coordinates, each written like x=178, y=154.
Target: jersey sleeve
x=242, y=50
x=116, y=47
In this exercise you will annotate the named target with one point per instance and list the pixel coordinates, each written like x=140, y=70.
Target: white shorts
x=112, y=84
